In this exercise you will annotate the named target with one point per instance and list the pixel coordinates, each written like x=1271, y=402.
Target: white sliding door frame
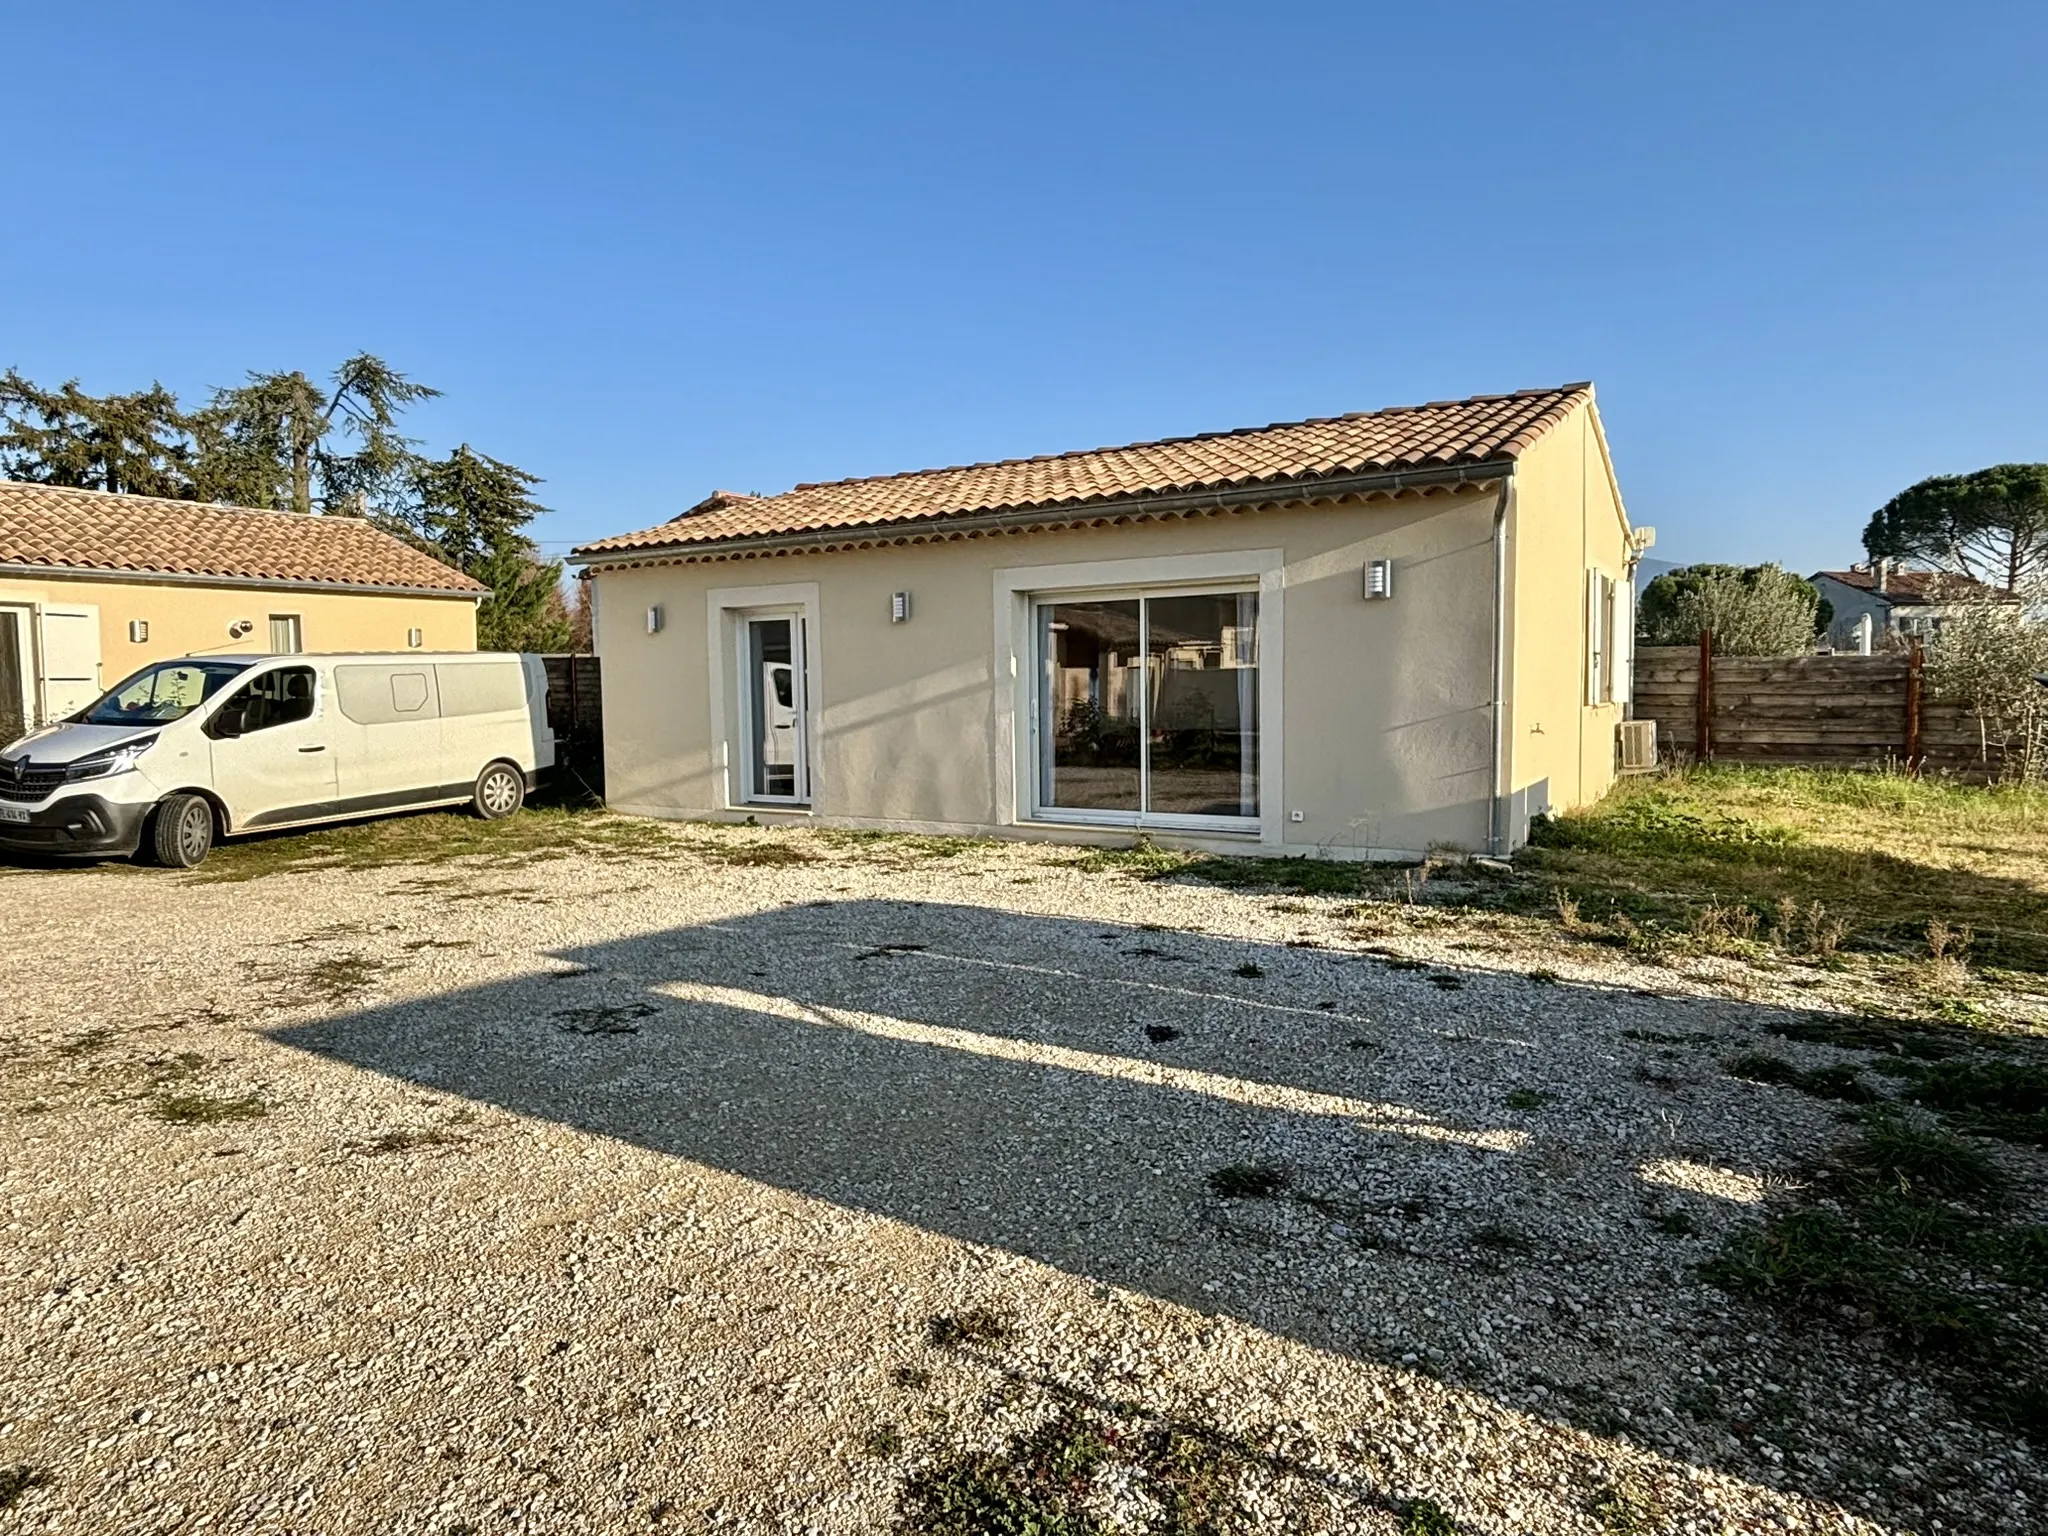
x=1017, y=704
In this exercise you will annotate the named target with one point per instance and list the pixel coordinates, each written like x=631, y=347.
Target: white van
x=204, y=747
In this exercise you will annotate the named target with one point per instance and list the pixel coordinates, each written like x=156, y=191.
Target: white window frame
x=298, y=624
x=1018, y=592
x=727, y=610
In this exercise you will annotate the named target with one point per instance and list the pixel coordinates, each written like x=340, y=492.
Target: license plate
x=11, y=813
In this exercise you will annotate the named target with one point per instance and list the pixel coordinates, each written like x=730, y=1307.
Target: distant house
x=1908, y=604
x=1089, y=645
x=93, y=586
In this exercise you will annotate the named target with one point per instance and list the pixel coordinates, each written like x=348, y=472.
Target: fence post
x=1915, y=660
x=1703, y=725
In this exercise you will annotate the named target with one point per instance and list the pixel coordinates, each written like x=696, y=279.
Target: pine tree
x=138, y=443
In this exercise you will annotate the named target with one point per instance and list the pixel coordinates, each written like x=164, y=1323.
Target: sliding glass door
x=1148, y=708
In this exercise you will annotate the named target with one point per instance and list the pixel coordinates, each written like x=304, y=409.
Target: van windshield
x=167, y=691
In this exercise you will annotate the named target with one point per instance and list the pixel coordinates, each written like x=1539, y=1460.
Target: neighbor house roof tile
x=1919, y=586
x=1484, y=430
x=66, y=529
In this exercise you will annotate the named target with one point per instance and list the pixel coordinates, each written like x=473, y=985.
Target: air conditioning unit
x=1638, y=746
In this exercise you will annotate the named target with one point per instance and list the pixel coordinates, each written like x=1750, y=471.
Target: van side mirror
x=231, y=721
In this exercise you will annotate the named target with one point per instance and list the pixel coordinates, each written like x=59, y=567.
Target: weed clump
x=1425, y=1517
x=202, y=1109
x=16, y=1481
x=976, y=1325
x=1526, y=1098
x=1248, y=1181
x=1835, y=1082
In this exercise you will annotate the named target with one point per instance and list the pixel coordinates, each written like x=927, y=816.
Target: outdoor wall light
x=414, y=638
x=1379, y=579
x=138, y=630
x=240, y=627
x=899, y=608
x=654, y=619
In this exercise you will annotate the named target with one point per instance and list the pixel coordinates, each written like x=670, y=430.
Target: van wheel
x=500, y=790
x=183, y=834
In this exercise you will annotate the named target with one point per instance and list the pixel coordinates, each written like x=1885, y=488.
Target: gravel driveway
x=668, y=1192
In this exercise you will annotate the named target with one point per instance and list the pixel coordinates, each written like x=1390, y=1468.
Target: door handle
x=312, y=749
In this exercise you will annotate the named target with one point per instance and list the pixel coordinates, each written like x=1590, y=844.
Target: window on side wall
x=284, y=634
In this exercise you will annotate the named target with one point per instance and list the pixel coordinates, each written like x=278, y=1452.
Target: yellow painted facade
x=178, y=618
x=1566, y=528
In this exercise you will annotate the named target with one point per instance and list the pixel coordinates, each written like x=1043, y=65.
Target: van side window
x=408, y=692
x=380, y=693
x=275, y=698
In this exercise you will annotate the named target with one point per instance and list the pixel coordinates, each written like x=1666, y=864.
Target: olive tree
x=1753, y=610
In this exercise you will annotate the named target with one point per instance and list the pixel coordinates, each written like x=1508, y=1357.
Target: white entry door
x=775, y=709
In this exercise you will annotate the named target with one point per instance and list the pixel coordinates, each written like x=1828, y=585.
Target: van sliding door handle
x=312, y=749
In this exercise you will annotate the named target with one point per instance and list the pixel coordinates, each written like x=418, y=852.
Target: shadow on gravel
x=1393, y=1166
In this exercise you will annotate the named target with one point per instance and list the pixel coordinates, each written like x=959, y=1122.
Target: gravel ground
x=658, y=1192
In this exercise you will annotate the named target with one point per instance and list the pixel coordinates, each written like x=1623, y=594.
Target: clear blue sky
x=652, y=250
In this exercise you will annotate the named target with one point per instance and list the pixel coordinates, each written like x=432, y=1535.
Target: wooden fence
x=1819, y=711
x=576, y=716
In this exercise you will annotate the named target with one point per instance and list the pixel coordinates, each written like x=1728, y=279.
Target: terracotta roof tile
x=1487, y=429
x=1919, y=586
x=62, y=528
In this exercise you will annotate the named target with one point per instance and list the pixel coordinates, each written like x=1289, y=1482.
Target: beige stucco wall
x=1386, y=722
x=188, y=617
x=1566, y=520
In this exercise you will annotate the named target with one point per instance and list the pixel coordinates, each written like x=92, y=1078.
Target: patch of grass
x=1666, y=1037
x=1526, y=1098
x=1899, y=1037
x=18, y=1480
x=975, y=1325
x=337, y=978
x=1425, y=1517
x=1673, y=1223
x=883, y=1442
x=1160, y=1034
x=541, y=831
x=1144, y=859
x=617, y=1019
x=1249, y=971
x=2006, y=1099
x=84, y=1045
x=1498, y=1238
x=1630, y=1505
x=1902, y=1227
x=1036, y=1486
x=753, y=855
x=204, y=1109
x=407, y=1139
x=1248, y=1181
x=911, y=1377
x=1883, y=856
x=1893, y=1154
x=1835, y=1082
x=1544, y=976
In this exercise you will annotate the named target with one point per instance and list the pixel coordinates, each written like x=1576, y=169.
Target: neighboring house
x=1908, y=604
x=1364, y=635
x=93, y=586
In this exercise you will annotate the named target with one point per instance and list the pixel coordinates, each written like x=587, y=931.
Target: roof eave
x=50, y=570
x=1166, y=504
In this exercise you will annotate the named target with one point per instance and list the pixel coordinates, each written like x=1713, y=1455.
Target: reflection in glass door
x=772, y=698
x=1148, y=707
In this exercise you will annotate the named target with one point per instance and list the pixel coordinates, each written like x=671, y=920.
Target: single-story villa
x=1905, y=603
x=94, y=585
x=1360, y=636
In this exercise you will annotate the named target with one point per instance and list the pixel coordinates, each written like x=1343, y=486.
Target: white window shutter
x=1593, y=637
x=1624, y=641
x=69, y=654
